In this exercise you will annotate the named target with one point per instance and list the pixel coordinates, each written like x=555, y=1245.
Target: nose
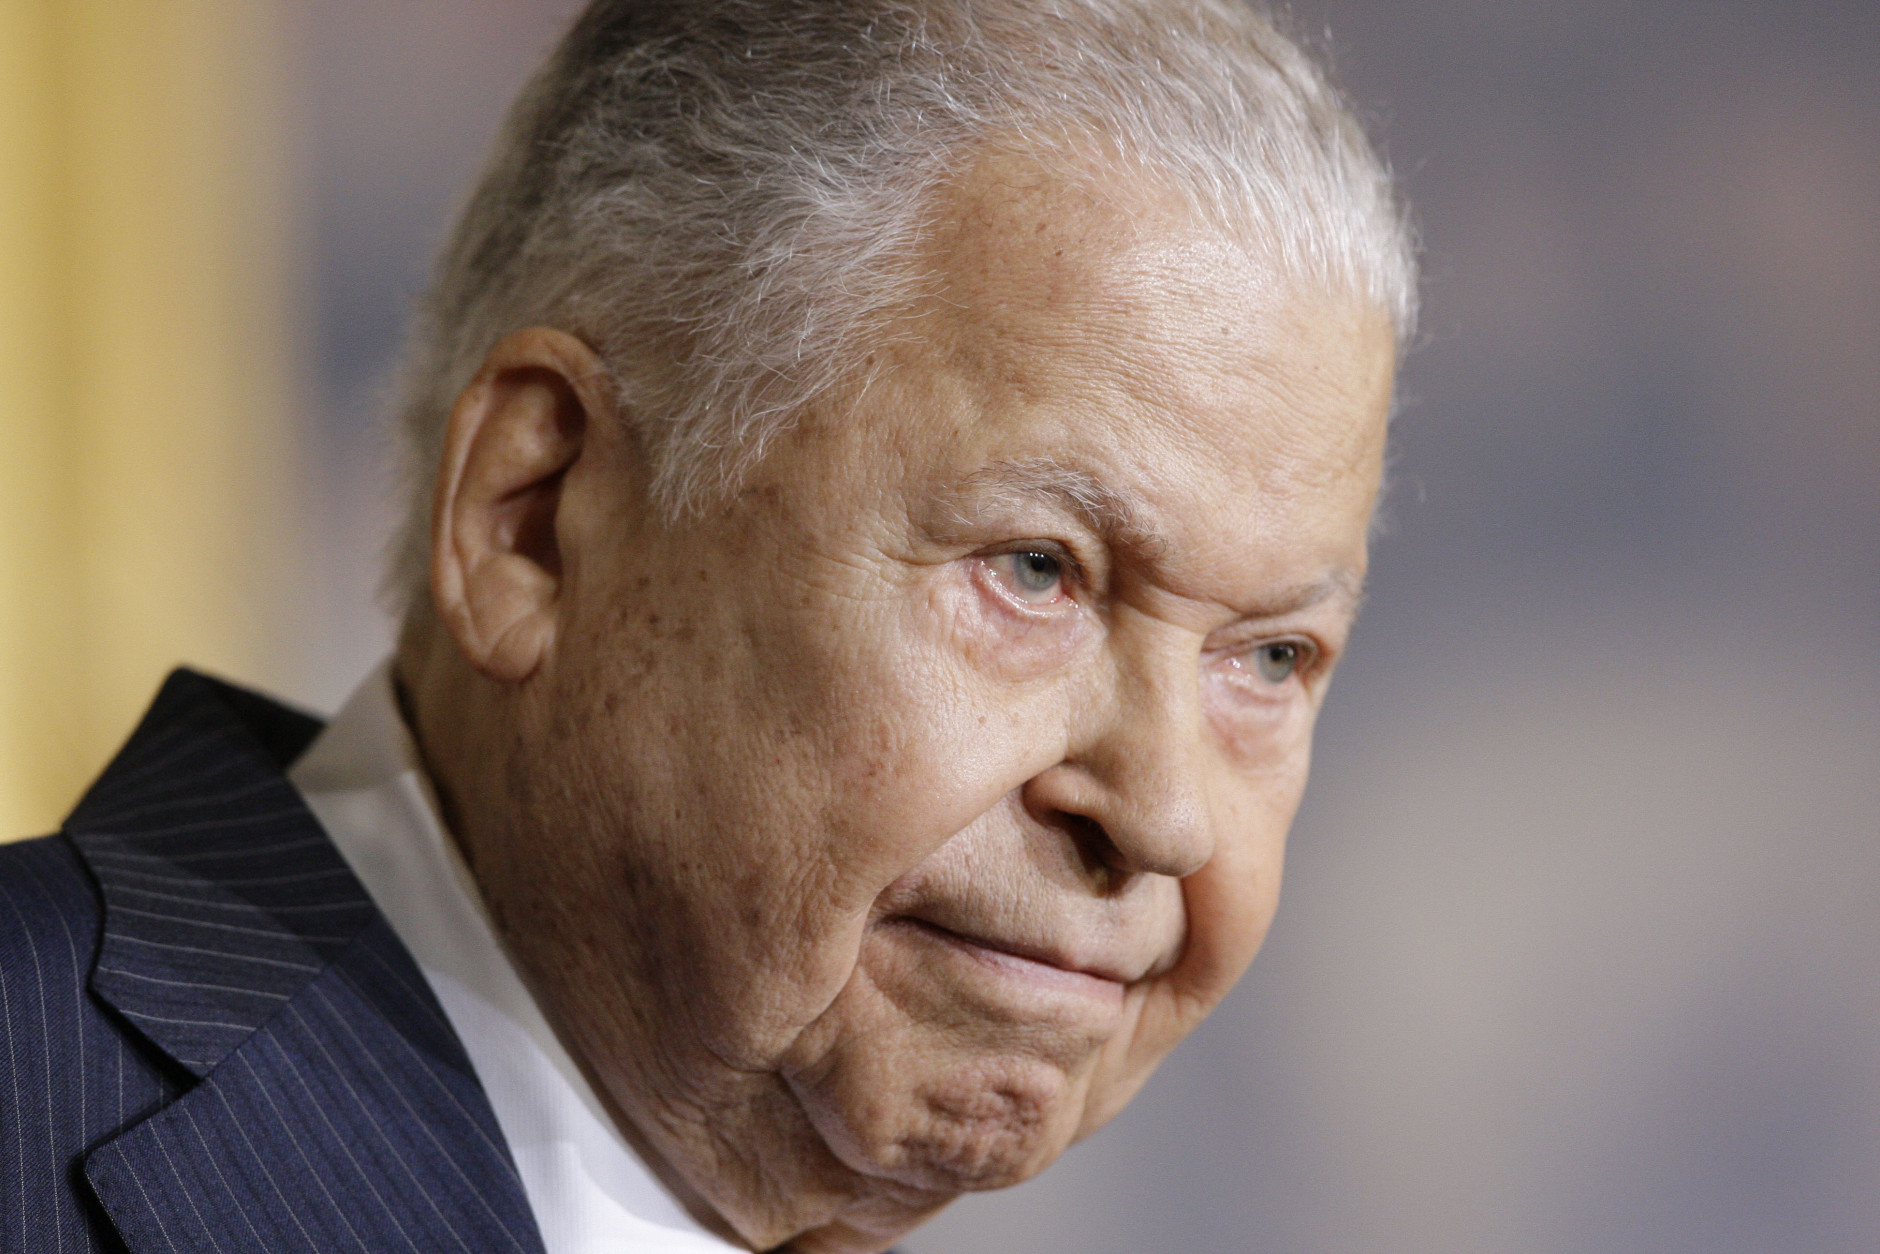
x=1135, y=778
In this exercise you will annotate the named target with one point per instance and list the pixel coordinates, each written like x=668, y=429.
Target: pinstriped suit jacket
x=210, y=1039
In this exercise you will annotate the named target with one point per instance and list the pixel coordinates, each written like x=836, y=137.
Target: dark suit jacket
x=210, y=1039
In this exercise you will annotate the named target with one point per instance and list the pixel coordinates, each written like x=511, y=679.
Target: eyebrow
x=1123, y=522
x=1119, y=518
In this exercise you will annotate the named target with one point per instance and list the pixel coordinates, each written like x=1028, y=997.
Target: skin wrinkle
x=1121, y=522
x=1112, y=515
x=804, y=825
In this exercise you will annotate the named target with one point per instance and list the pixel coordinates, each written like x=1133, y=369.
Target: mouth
x=1037, y=963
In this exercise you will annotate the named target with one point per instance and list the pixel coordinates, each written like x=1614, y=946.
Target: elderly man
x=893, y=482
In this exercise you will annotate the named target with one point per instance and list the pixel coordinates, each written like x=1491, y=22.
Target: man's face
x=930, y=792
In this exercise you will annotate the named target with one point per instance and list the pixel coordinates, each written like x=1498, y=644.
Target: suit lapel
x=223, y=897
x=335, y=1108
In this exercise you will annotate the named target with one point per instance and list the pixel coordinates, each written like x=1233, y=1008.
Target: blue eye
x=1277, y=661
x=1030, y=575
x=1036, y=572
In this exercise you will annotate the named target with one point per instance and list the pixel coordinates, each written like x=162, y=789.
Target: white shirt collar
x=589, y=1190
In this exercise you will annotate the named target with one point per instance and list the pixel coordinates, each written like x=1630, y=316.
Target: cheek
x=1231, y=901
x=918, y=731
x=1263, y=730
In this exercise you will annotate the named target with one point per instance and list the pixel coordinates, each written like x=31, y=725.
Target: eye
x=1277, y=660
x=1031, y=576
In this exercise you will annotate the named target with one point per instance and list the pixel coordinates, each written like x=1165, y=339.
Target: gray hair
x=726, y=198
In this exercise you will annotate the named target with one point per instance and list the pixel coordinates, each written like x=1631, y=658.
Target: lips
x=1043, y=954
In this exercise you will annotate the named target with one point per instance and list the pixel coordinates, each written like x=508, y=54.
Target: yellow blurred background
x=146, y=414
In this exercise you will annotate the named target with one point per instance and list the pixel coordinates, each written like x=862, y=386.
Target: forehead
x=1104, y=329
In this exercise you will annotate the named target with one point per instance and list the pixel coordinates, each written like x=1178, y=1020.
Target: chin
x=983, y=1132
x=980, y=1124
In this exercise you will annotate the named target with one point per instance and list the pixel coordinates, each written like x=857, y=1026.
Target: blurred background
x=1580, y=951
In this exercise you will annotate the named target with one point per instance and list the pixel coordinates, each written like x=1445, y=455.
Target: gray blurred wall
x=1580, y=950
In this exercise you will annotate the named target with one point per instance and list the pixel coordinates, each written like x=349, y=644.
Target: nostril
x=1101, y=860
x=1119, y=836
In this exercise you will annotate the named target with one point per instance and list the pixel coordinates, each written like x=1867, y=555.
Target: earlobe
x=498, y=563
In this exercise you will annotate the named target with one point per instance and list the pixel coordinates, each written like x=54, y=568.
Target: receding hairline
x=660, y=185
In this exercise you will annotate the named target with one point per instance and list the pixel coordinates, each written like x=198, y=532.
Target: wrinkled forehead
x=1114, y=301
x=1087, y=343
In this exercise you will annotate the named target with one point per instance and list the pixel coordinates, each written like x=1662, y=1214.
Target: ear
x=496, y=548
